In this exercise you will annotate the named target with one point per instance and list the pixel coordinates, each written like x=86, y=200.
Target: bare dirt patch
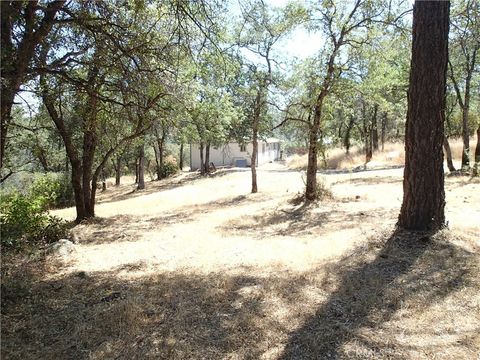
x=198, y=268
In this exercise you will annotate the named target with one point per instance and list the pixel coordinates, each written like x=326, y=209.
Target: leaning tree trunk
x=423, y=183
x=141, y=168
x=448, y=153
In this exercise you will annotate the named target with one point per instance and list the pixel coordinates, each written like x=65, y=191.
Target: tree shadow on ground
x=376, y=180
x=127, y=227
x=409, y=273
x=130, y=191
x=305, y=219
x=344, y=309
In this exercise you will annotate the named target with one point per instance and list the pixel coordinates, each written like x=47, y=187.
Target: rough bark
x=141, y=168
x=423, y=185
x=448, y=153
x=311, y=182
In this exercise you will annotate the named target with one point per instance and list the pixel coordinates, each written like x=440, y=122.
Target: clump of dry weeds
x=393, y=154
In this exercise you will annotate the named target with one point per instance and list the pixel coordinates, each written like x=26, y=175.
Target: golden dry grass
x=392, y=155
x=198, y=268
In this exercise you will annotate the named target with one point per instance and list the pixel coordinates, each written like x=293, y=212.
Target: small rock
x=63, y=248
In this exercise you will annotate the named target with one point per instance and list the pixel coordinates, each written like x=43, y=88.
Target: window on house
x=243, y=148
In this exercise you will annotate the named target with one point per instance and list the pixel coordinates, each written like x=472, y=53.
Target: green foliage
x=24, y=221
x=52, y=191
x=170, y=167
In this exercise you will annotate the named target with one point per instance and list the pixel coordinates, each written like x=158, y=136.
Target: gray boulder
x=63, y=248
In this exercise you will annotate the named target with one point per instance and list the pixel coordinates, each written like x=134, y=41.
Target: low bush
x=52, y=191
x=24, y=221
x=170, y=166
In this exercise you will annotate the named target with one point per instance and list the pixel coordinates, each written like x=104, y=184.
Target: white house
x=234, y=154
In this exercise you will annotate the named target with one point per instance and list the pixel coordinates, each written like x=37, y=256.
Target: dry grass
x=201, y=269
x=392, y=155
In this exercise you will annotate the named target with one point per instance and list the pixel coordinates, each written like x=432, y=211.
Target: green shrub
x=24, y=220
x=52, y=191
x=170, y=167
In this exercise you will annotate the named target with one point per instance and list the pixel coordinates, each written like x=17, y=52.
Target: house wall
x=226, y=155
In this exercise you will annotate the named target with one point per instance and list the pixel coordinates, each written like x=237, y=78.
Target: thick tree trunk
x=202, y=169
x=375, y=128
x=180, y=161
x=312, y=165
x=78, y=191
x=141, y=168
x=448, y=152
x=207, y=158
x=423, y=185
